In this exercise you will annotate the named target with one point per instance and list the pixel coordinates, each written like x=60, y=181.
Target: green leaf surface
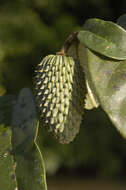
x=30, y=169
x=108, y=78
x=104, y=37
x=7, y=165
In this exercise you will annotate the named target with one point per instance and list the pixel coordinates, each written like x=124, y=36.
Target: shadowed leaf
x=30, y=170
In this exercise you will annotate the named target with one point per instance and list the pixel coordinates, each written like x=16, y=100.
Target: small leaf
x=104, y=37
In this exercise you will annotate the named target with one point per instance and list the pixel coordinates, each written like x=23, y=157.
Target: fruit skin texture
x=59, y=94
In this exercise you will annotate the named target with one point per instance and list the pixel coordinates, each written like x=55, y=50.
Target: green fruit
x=60, y=92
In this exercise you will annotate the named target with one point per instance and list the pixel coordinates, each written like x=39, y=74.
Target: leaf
x=7, y=165
x=104, y=37
x=30, y=169
x=108, y=78
x=24, y=120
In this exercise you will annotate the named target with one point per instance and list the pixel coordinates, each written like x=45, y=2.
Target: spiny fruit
x=59, y=93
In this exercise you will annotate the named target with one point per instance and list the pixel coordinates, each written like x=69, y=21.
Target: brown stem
x=71, y=38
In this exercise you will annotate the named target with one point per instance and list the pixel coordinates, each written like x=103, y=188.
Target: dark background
x=31, y=29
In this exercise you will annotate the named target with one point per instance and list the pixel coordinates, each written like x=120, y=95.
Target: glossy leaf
x=104, y=37
x=108, y=78
x=30, y=169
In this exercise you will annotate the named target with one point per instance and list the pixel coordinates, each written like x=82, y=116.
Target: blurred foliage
x=30, y=29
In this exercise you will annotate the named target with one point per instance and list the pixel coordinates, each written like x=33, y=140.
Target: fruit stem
x=71, y=38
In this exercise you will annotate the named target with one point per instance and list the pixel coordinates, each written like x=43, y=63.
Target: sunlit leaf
x=104, y=37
